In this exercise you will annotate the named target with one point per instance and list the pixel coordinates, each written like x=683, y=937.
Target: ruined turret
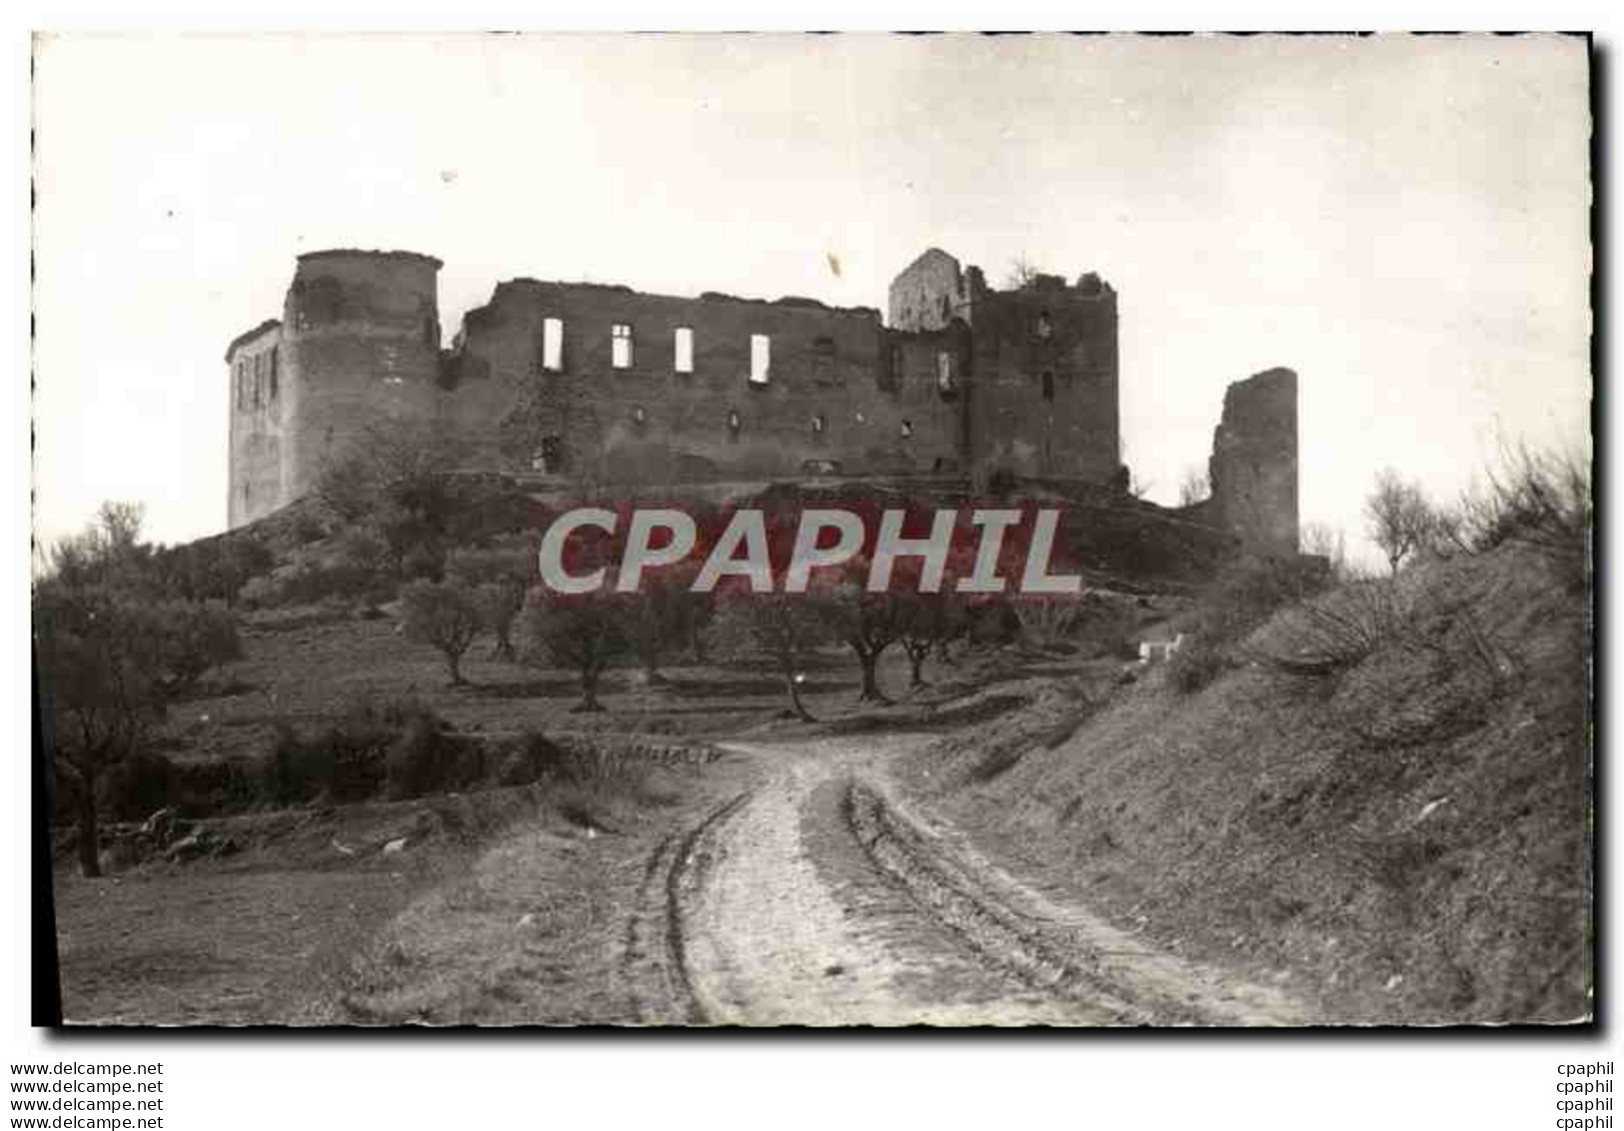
x=1253, y=468
x=360, y=341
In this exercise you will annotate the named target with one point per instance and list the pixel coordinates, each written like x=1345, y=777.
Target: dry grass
x=520, y=923
x=263, y=937
x=1405, y=841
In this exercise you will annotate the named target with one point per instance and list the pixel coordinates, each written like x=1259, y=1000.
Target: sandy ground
x=814, y=898
x=771, y=942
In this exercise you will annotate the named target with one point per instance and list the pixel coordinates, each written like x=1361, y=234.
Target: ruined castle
x=606, y=384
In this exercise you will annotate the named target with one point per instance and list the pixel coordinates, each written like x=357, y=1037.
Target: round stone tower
x=361, y=347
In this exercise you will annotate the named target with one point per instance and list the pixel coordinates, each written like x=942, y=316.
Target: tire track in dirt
x=817, y=898
x=1066, y=952
x=953, y=899
x=654, y=960
x=768, y=940
x=777, y=914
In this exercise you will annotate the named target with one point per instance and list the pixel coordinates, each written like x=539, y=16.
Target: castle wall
x=931, y=292
x=361, y=338
x=837, y=391
x=1045, y=392
x=258, y=423
x=1253, y=469
x=965, y=380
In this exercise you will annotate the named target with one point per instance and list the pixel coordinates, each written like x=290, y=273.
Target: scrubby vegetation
x=394, y=750
x=112, y=656
x=1377, y=784
x=444, y=615
x=1241, y=598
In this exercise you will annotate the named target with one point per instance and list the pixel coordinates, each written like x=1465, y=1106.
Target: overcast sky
x=1401, y=220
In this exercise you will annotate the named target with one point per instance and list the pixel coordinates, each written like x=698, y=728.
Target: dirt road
x=815, y=895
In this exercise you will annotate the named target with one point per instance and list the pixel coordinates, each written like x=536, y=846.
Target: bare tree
x=656, y=620
x=1194, y=487
x=121, y=523
x=109, y=545
x=400, y=482
x=99, y=664
x=109, y=662
x=786, y=628
x=496, y=580
x=1022, y=272
x=1126, y=480
x=583, y=631
x=442, y=614
x=868, y=623
x=1047, y=619
x=1401, y=520
x=1541, y=499
x=930, y=622
x=1323, y=540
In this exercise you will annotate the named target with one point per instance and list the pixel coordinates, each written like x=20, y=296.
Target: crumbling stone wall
x=965, y=380
x=840, y=390
x=258, y=423
x=1253, y=469
x=932, y=291
x=1045, y=392
x=361, y=343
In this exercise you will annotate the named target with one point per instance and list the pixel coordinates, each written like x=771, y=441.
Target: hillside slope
x=1403, y=842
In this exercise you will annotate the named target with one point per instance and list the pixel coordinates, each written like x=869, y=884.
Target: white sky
x=1403, y=221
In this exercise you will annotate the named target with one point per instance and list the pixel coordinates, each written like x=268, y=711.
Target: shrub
x=1539, y=499
x=137, y=786
x=582, y=631
x=316, y=583
x=201, y=788
x=442, y=614
x=307, y=528
x=496, y=580
x=1238, y=602
x=100, y=661
x=412, y=762
x=214, y=569
x=362, y=548
x=347, y=762
x=1047, y=619
x=517, y=766
x=782, y=629
x=993, y=623
x=259, y=593
x=529, y=759
x=1250, y=592
x=1196, y=664
x=1338, y=630
x=426, y=758
x=194, y=638
x=1404, y=523
x=594, y=777
x=296, y=771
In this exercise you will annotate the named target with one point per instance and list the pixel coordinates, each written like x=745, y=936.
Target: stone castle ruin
x=592, y=382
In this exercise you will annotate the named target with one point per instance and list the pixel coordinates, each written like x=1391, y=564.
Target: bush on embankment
x=1386, y=799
